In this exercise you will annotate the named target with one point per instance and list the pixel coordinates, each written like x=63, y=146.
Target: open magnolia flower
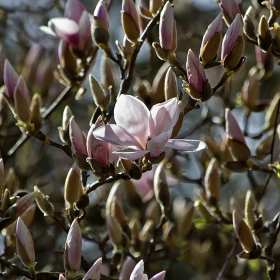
x=140, y=132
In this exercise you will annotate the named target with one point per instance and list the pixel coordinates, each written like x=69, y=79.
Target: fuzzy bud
x=249, y=28
x=43, y=203
x=170, y=85
x=264, y=35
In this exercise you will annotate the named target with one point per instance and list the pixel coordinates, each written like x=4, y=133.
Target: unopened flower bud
x=170, y=85
x=98, y=94
x=130, y=22
x=212, y=182
x=95, y=271
x=73, y=248
x=21, y=107
x=271, y=113
x=25, y=245
x=100, y=26
x=64, y=129
x=107, y=74
x=249, y=207
x=264, y=147
x=72, y=185
x=35, y=107
x=249, y=28
x=233, y=45
x=230, y=10
x=243, y=233
x=203, y=211
x=114, y=231
x=161, y=189
x=153, y=212
x=185, y=221
x=198, y=87
x=264, y=35
x=145, y=232
x=43, y=203
x=167, y=29
x=211, y=41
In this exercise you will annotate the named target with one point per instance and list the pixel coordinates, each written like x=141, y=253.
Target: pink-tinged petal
x=10, y=79
x=156, y=145
x=163, y=117
x=25, y=238
x=234, y=31
x=166, y=27
x=133, y=115
x=61, y=277
x=214, y=27
x=101, y=12
x=77, y=137
x=73, y=10
x=73, y=247
x=127, y=268
x=97, y=149
x=84, y=30
x=159, y=276
x=185, y=145
x=48, y=30
x=130, y=154
x=233, y=130
x=116, y=135
x=95, y=271
x=138, y=271
x=21, y=86
x=128, y=7
x=195, y=72
x=230, y=7
x=66, y=29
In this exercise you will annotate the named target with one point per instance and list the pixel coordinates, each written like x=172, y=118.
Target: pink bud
x=97, y=149
x=73, y=248
x=232, y=36
x=95, y=271
x=24, y=202
x=25, y=245
x=10, y=79
x=167, y=29
x=74, y=10
x=214, y=27
x=233, y=130
x=77, y=137
x=195, y=72
x=101, y=12
x=230, y=10
x=159, y=276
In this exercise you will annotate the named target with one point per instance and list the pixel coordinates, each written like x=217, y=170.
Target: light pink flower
x=195, y=72
x=73, y=28
x=233, y=130
x=95, y=271
x=97, y=149
x=230, y=7
x=139, y=132
x=127, y=268
x=167, y=26
x=73, y=248
x=101, y=12
x=213, y=28
x=234, y=31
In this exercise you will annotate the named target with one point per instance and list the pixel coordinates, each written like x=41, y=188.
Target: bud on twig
x=25, y=245
x=100, y=98
x=264, y=35
x=185, y=221
x=35, y=107
x=43, y=203
x=249, y=27
x=230, y=10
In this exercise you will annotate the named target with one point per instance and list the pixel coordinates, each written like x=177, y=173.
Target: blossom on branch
x=74, y=27
x=140, y=132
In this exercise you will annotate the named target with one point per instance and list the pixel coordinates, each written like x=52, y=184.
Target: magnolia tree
x=178, y=180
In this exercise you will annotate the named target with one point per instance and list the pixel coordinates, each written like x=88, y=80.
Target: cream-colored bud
x=114, y=230
x=212, y=182
x=43, y=203
x=72, y=186
x=21, y=107
x=145, y=232
x=35, y=107
x=264, y=35
x=249, y=213
x=99, y=96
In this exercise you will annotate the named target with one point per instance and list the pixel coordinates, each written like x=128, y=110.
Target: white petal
x=185, y=145
x=130, y=154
